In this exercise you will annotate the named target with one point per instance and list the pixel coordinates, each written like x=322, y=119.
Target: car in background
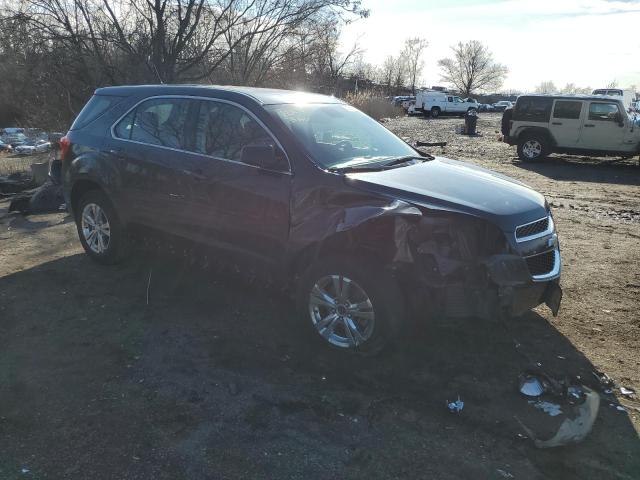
x=5, y=147
x=486, y=107
x=31, y=147
x=14, y=139
x=502, y=105
x=11, y=130
x=435, y=103
x=626, y=96
x=575, y=124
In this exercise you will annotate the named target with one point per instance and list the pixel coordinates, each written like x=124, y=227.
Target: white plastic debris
x=504, y=473
x=627, y=391
x=455, y=407
x=531, y=387
x=551, y=409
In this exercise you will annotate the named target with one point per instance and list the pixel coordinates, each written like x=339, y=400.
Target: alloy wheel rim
x=532, y=148
x=95, y=228
x=341, y=311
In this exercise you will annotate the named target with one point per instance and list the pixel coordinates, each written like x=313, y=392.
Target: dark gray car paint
x=285, y=221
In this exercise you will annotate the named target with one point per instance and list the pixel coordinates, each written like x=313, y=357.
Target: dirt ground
x=159, y=370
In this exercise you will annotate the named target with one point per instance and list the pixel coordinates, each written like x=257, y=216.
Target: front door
x=240, y=208
x=566, y=122
x=601, y=129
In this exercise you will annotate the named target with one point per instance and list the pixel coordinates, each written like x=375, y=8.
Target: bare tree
x=546, y=87
x=412, y=56
x=328, y=62
x=392, y=74
x=571, y=88
x=612, y=84
x=472, y=69
x=74, y=46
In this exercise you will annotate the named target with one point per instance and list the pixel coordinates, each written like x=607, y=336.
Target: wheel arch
x=81, y=187
x=526, y=132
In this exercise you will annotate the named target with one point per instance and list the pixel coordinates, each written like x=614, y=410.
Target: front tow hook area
x=553, y=297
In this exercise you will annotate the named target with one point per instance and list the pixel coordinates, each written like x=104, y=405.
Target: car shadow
x=160, y=368
x=585, y=169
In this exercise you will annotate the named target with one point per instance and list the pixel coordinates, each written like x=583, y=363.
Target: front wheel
x=102, y=235
x=532, y=148
x=349, y=306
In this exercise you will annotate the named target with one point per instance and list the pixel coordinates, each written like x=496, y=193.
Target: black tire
x=117, y=247
x=386, y=302
x=435, y=112
x=532, y=147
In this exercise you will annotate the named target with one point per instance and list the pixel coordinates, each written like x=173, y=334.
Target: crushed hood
x=445, y=184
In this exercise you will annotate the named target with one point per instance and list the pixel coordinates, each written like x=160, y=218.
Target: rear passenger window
x=603, y=111
x=159, y=121
x=567, y=109
x=95, y=107
x=533, y=109
x=223, y=130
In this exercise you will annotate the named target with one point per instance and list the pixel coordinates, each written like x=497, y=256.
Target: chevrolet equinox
x=309, y=193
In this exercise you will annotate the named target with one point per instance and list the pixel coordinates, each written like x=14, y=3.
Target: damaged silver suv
x=306, y=191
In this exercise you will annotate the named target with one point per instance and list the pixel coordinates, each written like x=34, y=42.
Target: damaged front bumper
x=470, y=270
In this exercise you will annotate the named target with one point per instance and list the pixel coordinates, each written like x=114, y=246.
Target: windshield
x=337, y=135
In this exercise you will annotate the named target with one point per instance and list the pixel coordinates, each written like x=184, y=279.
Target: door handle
x=556, y=123
x=588, y=125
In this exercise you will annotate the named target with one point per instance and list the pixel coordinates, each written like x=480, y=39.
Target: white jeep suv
x=579, y=125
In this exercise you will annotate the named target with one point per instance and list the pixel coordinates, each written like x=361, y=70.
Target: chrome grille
x=532, y=229
x=542, y=263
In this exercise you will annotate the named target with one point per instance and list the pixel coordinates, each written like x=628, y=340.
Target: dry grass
x=374, y=106
x=18, y=164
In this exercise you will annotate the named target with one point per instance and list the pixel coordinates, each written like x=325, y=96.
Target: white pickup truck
x=627, y=96
x=435, y=103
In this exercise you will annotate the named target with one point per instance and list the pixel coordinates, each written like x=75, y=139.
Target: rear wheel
x=349, y=306
x=532, y=148
x=435, y=112
x=101, y=233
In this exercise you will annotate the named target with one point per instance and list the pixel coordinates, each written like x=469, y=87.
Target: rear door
x=601, y=130
x=566, y=122
x=151, y=144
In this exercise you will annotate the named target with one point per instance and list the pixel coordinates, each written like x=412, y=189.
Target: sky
x=586, y=42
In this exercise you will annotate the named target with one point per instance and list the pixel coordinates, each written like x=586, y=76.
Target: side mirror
x=264, y=156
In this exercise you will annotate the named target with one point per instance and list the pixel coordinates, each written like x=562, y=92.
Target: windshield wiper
x=358, y=168
x=390, y=162
x=406, y=159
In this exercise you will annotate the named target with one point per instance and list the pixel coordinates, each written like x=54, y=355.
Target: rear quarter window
x=95, y=107
x=533, y=109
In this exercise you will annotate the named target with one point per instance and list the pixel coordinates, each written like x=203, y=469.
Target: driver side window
x=603, y=112
x=223, y=130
